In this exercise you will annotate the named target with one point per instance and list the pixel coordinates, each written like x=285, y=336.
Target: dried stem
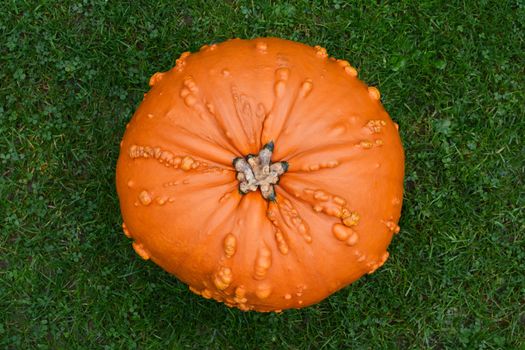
x=258, y=172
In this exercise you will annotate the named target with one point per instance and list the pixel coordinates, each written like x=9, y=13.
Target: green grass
x=451, y=74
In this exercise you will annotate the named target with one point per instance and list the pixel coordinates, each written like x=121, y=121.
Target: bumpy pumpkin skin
x=336, y=208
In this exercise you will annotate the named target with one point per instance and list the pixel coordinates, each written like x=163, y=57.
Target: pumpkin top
x=262, y=173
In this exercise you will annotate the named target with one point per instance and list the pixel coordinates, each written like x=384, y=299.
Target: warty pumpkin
x=262, y=173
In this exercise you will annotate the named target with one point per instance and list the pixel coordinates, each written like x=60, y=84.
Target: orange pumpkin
x=262, y=173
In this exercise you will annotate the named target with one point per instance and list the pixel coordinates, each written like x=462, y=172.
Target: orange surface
x=337, y=207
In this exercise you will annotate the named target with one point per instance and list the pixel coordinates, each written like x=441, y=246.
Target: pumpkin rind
x=335, y=209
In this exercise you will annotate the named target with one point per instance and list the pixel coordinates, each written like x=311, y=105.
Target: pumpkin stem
x=258, y=172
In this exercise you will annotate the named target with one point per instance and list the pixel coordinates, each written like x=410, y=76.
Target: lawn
x=451, y=73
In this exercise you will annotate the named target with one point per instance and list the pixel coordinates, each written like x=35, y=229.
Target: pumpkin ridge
x=301, y=93
x=182, y=161
x=188, y=143
x=298, y=250
x=230, y=127
x=223, y=126
x=239, y=112
x=197, y=100
x=213, y=141
x=292, y=220
x=206, y=116
x=317, y=107
x=301, y=163
x=227, y=146
x=279, y=116
x=318, y=199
